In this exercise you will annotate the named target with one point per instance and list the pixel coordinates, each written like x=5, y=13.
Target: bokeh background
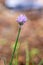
x=31, y=33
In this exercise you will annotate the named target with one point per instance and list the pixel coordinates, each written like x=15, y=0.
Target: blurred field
x=32, y=31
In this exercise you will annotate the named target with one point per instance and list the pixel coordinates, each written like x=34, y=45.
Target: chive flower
x=21, y=19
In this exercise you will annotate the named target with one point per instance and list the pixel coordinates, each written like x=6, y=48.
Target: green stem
x=4, y=62
x=27, y=55
x=16, y=59
x=15, y=47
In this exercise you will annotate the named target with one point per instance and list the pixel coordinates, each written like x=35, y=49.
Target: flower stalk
x=21, y=20
x=15, y=46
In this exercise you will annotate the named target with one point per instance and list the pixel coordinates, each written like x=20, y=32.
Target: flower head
x=21, y=19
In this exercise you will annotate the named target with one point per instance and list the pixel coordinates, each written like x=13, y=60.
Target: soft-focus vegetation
x=27, y=53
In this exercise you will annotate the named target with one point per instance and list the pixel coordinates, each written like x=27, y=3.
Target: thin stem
x=27, y=55
x=4, y=62
x=15, y=46
x=16, y=61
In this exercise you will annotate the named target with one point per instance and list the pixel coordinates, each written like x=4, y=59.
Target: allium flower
x=21, y=19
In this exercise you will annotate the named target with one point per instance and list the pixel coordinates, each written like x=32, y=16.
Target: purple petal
x=21, y=19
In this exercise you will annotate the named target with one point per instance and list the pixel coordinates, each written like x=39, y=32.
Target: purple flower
x=21, y=19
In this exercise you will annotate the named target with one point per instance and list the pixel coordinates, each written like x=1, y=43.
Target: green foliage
x=15, y=61
x=27, y=54
x=34, y=52
x=41, y=62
